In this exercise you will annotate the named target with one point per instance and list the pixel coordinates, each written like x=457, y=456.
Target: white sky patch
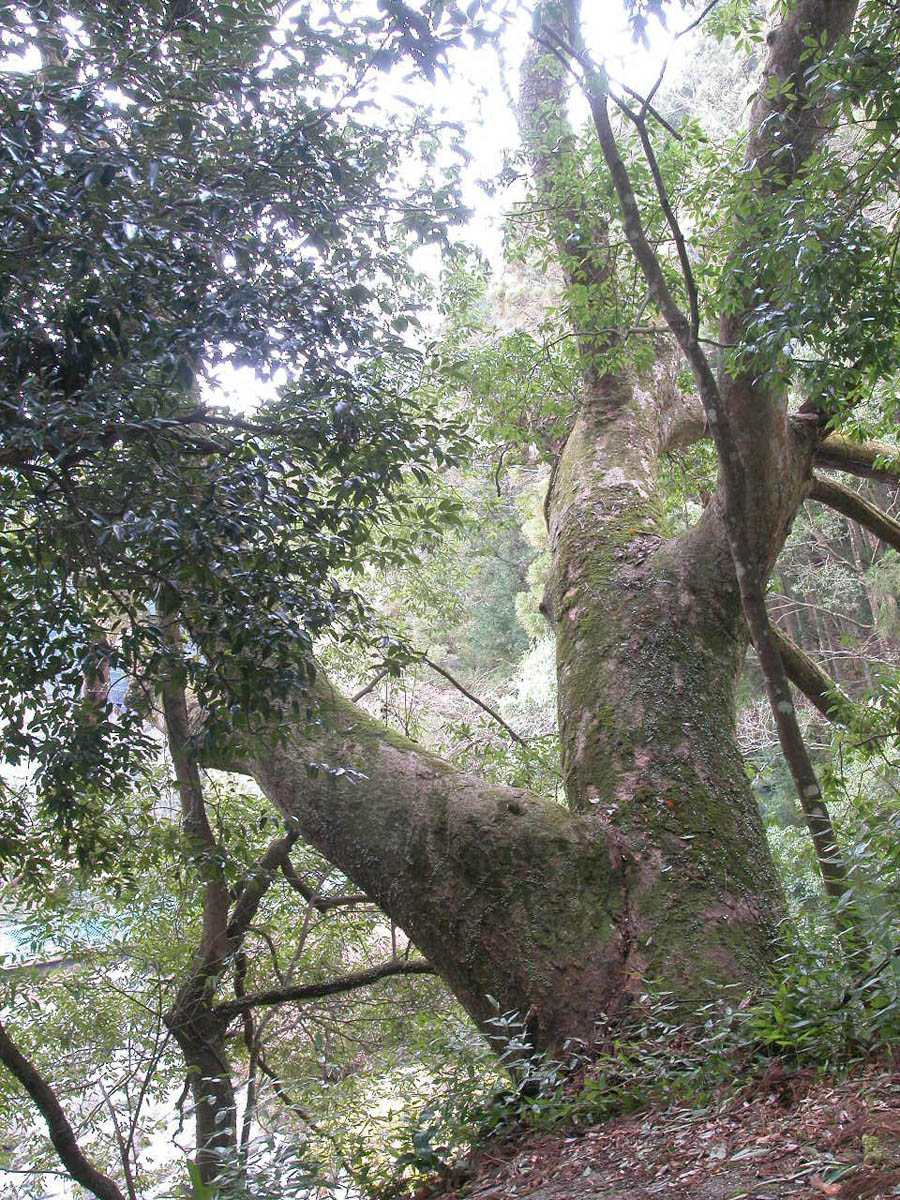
x=240, y=388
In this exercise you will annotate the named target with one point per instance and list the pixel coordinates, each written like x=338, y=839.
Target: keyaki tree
x=742, y=292
x=751, y=302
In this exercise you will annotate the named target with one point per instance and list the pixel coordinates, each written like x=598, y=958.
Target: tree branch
x=322, y=904
x=809, y=678
x=317, y=991
x=288, y=1101
x=738, y=518
x=669, y=213
x=256, y=886
x=492, y=712
x=370, y=687
x=204, y=851
x=870, y=460
x=857, y=508
x=61, y=1133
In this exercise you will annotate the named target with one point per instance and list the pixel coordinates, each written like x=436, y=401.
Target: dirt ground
x=792, y=1136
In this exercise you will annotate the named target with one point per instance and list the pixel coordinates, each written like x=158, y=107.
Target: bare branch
x=317, y=991
x=311, y=895
x=647, y=107
x=370, y=687
x=857, y=508
x=669, y=213
x=124, y=1147
x=61, y=1133
x=469, y=695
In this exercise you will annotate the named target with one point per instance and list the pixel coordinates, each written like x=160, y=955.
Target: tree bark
x=656, y=875
x=564, y=918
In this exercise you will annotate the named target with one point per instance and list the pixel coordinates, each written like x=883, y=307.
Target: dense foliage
x=187, y=189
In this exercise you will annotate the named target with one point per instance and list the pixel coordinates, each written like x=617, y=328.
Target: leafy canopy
x=187, y=187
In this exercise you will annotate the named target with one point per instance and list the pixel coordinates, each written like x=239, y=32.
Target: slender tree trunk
x=200, y=1037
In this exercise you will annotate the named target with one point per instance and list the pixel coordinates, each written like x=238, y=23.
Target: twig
x=120, y=1141
x=868, y=977
x=697, y=21
x=647, y=107
x=481, y=704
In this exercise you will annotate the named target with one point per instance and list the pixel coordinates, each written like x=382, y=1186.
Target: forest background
x=186, y=193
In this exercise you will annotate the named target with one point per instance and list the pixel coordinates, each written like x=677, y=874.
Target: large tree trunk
x=657, y=875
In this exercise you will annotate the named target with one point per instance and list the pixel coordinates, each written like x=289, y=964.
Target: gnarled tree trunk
x=656, y=874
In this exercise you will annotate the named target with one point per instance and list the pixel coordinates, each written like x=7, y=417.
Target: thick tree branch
x=581, y=235
x=61, y=1133
x=317, y=991
x=870, y=460
x=191, y=1019
x=815, y=684
x=786, y=121
x=857, y=508
x=682, y=423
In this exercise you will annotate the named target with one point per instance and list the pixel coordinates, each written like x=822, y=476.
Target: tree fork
x=738, y=487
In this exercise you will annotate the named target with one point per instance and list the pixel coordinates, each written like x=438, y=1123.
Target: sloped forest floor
x=785, y=1135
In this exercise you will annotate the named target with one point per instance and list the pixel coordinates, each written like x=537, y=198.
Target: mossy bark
x=656, y=875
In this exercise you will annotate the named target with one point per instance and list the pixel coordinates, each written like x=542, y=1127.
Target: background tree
x=207, y=188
